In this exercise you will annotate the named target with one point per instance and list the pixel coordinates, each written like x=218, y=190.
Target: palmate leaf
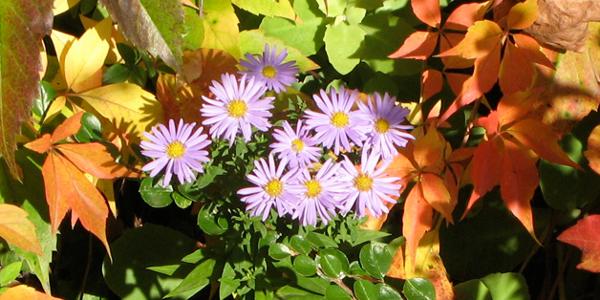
x=17, y=230
x=585, y=236
x=153, y=25
x=22, y=26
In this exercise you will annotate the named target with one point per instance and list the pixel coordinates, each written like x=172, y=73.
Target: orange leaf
x=532, y=49
x=518, y=182
x=585, y=236
x=17, y=230
x=24, y=292
x=432, y=83
x=516, y=70
x=541, y=139
x=427, y=11
x=416, y=220
x=396, y=269
x=418, y=45
x=402, y=166
x=437, y=195
x=68, y=128
x=41, y=145
x=67, y=188
x=523, y=14
x=447, y=41
x=94, y=158
x=485, y=170
x=514, y=107
x=429, y=151
x=593, y=149
x=465, y=15
x=456, y=81
x=481, y=39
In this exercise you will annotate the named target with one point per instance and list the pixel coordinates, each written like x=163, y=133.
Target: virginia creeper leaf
x=17, y=230
x=416, y=220
x=153, y=25
x=427, y=11
x=522, y=15
x=432, y=83
x=481, y=39
x=418, y=45
x=585, y=236
x=22, y=26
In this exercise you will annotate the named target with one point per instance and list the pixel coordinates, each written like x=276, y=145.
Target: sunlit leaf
x=585, y=236
x=427, y=11
x=481, y=39
x=269, y=8
x=17, y=230
x=221, y=27
x=350, y=36
x=522, y=15
x=418, y=45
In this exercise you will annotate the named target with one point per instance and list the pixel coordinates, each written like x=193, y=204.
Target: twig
x=87, y=268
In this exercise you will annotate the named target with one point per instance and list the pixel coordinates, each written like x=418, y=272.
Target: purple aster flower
x=271, y=188
x=297, y=146
x=270, y=69
x=386, y=131
x=370, y=186
x=337, y=126
x=238, y=105
x=318, y=195
x=177, y=149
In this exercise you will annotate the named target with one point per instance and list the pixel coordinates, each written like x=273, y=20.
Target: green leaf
x=10, y=272
x=375, y=258
x=153, y=25
x=210, y=173
x=332, y=8
x=290, y=292
x=506, y=286
x=320, y=240
x=140, y=248
x=210, y=222
x=418, y=289
x=180, y=200
x=333, y=263
x=300, y=244
x=472, y=289
x=365, y=290
x=387, y=292
x=269, y=8
x=116, y=73
x=22, y=26
x=195, y=280
x=335, y=292
x=41, y=103
x=194, y=257
x=279, y=251
x=305, y=265
x=356, y=269
x=221, y=27
x=305, y=35
x=193, y=29
x=360, y=236
x=156, y=196
x=228, y=282
x=342, y=42
x=253, y=41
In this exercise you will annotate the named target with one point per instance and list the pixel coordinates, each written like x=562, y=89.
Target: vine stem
x=87, y=267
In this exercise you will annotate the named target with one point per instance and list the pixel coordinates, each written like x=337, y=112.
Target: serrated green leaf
x=342, y=42
x=22, y=26
x=269, y=8
x=253, y=41
x=221, y=27
x=418, y=289
x=153, y=25
x=332, y=8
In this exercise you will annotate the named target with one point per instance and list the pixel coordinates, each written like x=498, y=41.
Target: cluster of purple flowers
x=292, y=179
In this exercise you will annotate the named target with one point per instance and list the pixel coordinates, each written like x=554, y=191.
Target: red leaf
x=94, y=158
x=437, y=195
x=516, y=70
x=418, y=45
x=465, y=15
x=427, y=11
x=585, y=235
x=532, y=49
x=432, y=83
x=541, y=139
x=416, y=220
x=518, y=182
x=67, y=128
x=485, y=167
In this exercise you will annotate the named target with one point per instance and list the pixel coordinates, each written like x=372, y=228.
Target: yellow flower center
x=274, y=188
x=382, y=125
x=175, y=149
x=269, y=72
x=313, y=188
x=237, y=108
x=340, y=119
x=363, y=183
x=297, y=145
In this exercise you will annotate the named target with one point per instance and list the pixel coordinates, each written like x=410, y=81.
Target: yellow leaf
x=481, y=38
x=17, y=230
x=55, y=108
x=24, y=292
x=127, y=106
x=84, y=60
x=60, y=6
x=522, y=15
x=108, y=32
x=221, y=27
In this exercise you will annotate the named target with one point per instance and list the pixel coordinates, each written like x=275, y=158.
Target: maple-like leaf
x=221, y=29
x=418, y=45
x=17, y=230
x=156, y=26
x=66, y=185
x=23, y=24
x=585, y=235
